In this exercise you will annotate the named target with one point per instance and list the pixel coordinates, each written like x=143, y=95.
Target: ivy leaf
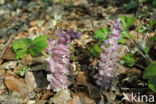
x=152, y=84
x=150, y=71
x=128, y=59
x=101, y=34
x=20, y=54
x=21, y=44
x=96, y=50
x=122, y=41
x=21, y=72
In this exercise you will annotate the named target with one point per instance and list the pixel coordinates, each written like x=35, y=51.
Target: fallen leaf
x=9, y=54
x=81, y=98
x=30, y=81
x=84, y=40
x=27, y=59
x=61, y=97
x=2, y=73
x=81, y=79
x=1, y=60
x=16, y=84
x=31, y=102
x=9, y=65
x=46, y=95
x=110, y=96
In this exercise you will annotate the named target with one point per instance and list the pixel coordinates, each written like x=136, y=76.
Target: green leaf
x=150, y=71
x=40, y=39
x=72, y=57
x=125, y=34
x=21, y=72
x=132, y=5
x=21, y=44
x=96, y=50
x=151, y=22
x=128, y=59
x=146, y=49
x=122, y=41
x=39, y=23
x=142, y=29
x=101, y=34
x=127, y=21
x=123, y=20
x=152, y=84
x=34, y=51
x=38, y=44
x=154, y=3
x=21, y=53
x=130, y=21
x=53, y=1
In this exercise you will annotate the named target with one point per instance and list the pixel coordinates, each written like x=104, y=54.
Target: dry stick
x=139, y=49
x=6, y=46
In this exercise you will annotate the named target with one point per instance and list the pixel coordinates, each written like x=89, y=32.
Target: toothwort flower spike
x=107, y=60
x=59, y=61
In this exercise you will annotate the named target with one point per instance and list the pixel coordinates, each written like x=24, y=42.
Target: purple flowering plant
x=59, y=60
x=107, y=62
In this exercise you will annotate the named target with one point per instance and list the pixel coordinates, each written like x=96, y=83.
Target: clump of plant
x=59, y=60
x=142, y=46
x=27, y=45
x=107, y=62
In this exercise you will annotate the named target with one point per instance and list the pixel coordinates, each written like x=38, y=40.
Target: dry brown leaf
x=61, y=97
x=46, y=95
x=133, y=71
x=9, y=54
x=84, y=40
x=1, y=61
x=27, y=59
x=81, y=98
x=30, y=81
x=16, y=84
x=2, y=73
x=81, y=79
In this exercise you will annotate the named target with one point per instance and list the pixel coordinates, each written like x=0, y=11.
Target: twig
x=139, y=49
x=6, y=46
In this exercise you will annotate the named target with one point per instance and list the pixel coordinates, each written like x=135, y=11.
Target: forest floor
x=29, y=19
